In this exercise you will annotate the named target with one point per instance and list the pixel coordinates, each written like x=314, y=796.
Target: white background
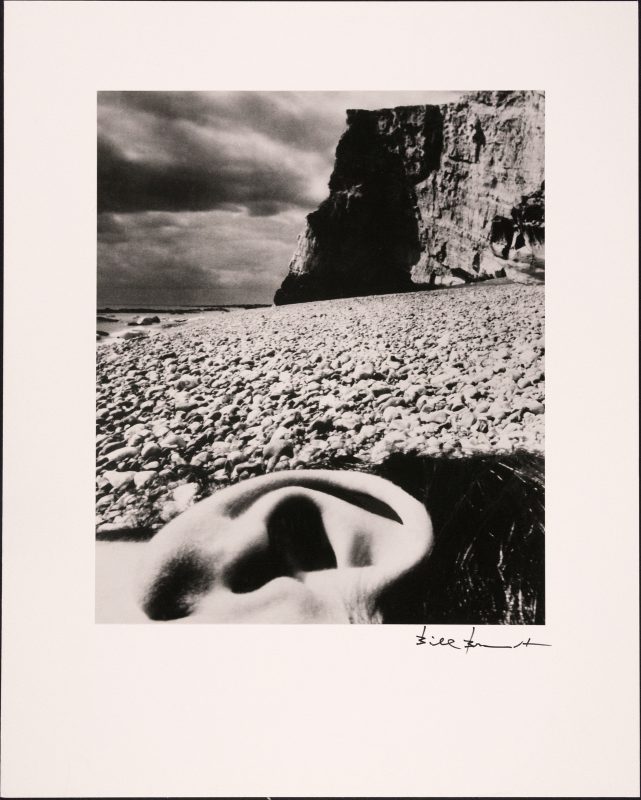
x=93, y=710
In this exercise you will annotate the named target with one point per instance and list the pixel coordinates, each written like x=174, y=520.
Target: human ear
x=289, y=547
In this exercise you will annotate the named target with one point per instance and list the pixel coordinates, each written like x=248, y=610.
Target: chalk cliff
x=422, y=196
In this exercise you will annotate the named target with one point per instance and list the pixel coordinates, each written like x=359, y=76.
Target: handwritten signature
x=470, y=643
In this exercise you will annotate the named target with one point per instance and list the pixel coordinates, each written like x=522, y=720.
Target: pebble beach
x=193, y=408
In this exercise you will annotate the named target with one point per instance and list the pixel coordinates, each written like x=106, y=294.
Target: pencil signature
x=470, y=643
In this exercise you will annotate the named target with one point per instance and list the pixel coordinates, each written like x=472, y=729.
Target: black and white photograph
x=320, y=357
x=316, y=483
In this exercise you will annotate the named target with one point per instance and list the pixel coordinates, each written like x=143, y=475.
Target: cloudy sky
x=201, y=195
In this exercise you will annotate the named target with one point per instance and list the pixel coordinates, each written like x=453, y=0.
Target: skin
x=291, y=547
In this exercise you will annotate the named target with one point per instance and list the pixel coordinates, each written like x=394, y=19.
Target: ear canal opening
x=296, y=532
x=296, y=542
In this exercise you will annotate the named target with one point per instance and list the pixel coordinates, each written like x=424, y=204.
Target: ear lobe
x=331, y=542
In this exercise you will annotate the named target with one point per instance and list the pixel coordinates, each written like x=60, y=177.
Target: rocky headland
x=193, y=409
x=426, y=196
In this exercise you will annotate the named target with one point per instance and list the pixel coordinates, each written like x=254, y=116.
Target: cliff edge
x=423, y=196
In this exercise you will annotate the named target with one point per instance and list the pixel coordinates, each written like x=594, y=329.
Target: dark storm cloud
x=189, y=151
x=126, y=185
x=279, y=115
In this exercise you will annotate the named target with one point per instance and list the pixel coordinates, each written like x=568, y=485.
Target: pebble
x=392, y=412
x=118, y=479
x=173, y=440
x=168, y=510
x=277, y=447
x=184, y=495
x=105, y=527
x=290, y=387
x=235, y=457
x=134, y=335
x=105, y=500
x=533, y=407
x=184, y=402
x=143, y=477
x=123, y=453
x=150, y=450
x=467, y=419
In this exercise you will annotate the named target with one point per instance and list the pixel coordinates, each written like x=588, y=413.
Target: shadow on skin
x=424, y=541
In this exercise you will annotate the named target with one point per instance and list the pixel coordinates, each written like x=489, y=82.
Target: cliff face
x=427, y=195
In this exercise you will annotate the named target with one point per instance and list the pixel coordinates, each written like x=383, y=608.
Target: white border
x=96, y=711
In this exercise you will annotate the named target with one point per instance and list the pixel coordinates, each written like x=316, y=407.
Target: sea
x=113, y=321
